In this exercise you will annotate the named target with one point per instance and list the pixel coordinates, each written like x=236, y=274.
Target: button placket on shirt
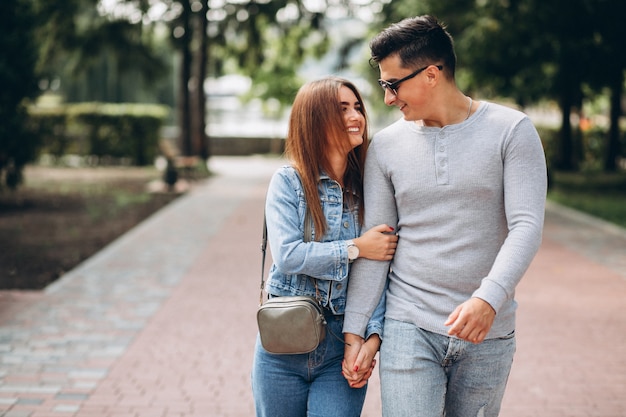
x=441, y=158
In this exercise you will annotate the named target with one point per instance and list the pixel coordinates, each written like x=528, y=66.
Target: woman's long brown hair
x=316, y=126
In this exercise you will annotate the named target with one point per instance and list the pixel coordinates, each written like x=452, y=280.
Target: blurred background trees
x=534, y=51
x=18, y=83
x=529, y=52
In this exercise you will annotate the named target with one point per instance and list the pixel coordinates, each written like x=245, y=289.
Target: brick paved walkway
x=161, y=322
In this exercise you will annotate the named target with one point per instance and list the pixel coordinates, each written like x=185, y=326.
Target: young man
x=464, y=184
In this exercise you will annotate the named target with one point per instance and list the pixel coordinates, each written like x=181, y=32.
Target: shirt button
x=346, y=224
x=339, y=286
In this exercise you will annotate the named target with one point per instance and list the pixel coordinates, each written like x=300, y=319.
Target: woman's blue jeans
x=424, y=374
x=307, y=385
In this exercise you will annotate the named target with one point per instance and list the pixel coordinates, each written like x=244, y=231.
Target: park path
x=161, y=321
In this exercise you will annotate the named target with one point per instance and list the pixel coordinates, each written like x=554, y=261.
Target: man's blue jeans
x=424, y=374
x=304, y=385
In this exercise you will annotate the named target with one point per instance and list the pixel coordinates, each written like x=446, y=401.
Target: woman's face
x=352, y=116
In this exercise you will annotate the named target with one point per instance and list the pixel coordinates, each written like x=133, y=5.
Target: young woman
x=326, y=145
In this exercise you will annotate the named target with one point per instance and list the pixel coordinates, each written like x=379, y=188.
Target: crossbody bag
x=290, y=324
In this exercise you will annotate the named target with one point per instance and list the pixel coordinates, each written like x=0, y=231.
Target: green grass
x=599, y=194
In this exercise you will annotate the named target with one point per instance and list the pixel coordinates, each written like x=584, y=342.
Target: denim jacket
x=296, y=261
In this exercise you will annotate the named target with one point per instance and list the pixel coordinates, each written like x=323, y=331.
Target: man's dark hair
x=418, y=41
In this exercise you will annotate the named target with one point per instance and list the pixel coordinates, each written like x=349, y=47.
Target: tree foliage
x=91, y=56
x=530, y=50
x=266, y=40
x=17, y=83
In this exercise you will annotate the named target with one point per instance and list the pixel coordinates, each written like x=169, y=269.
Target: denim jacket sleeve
x=285, y=210
x=376, y=323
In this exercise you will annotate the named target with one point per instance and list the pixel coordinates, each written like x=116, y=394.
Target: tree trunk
x=199, y=99
x=613, y=145
x=184, y=113
x=566, y=150
x=205, y=151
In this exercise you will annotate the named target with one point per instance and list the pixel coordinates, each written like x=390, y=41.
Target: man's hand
x=471, y=320
x=358, y=363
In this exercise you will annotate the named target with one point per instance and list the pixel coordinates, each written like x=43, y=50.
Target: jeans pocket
x=508, y=336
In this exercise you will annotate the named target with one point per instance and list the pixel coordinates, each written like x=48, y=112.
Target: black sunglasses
x=394, y=85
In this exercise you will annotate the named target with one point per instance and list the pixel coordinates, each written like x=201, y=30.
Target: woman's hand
x=359, y=362
x=379, y=243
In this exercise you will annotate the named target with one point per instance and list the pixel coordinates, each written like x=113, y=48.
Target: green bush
x=600, y=194
x=17, y=147
x=50, y=125
x=124, y=131
x=589, y=146
x=550, y=139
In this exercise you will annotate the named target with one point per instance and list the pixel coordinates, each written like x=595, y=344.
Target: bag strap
x=263, y=249
x=308, y=236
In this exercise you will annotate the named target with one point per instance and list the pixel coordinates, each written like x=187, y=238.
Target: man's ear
x=433, y=74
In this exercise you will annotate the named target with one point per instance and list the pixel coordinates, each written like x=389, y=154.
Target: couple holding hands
x=419, y=239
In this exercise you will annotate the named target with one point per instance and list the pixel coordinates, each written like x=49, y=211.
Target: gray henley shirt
x=467, y=201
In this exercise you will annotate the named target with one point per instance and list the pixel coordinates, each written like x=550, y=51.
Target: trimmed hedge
x=100, y=130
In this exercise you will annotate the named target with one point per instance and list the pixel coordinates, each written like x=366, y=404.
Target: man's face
x=410, y=95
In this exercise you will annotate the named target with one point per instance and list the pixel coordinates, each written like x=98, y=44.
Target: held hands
x=471, y=320
x=358, y=362
x=378, y=243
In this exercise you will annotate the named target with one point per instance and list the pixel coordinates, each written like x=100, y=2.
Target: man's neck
x=452, y=109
